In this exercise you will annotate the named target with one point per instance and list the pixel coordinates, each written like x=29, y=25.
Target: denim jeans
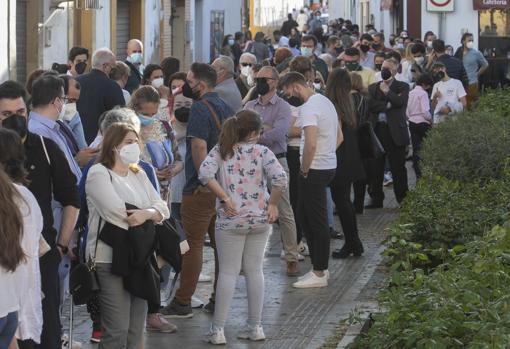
x=8, y=326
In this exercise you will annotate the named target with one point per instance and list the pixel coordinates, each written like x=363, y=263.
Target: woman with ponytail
x=237, y=171
x=20, y=231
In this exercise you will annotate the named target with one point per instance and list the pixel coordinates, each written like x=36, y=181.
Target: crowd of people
x=266, y=134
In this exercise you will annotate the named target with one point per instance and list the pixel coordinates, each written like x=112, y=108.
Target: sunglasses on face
x=246, y=64
x=263, y=79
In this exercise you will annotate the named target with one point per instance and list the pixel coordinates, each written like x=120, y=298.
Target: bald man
x=225, y=84
x=134, y=61
x=98, y=92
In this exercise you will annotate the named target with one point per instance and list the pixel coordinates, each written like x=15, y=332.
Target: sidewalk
x=292, y=318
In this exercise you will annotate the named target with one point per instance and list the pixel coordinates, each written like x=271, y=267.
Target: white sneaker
x=255, y=333
x=196, y=302
x=216, y=336
x=326, y=272
x=303, y=249
x=312, y=281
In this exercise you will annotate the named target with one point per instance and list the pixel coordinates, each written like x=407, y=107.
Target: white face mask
x=419, y=60
x=62, y=112
x=130, y=154
x=246, y=70
x=70, y=112
x=317, y=86
x=250, y=80
x=470, y=44
x=429, y=44
x=157, y=83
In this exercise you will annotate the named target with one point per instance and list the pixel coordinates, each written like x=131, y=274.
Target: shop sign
x=440, y=5
x=491, y=4
x=386, y=5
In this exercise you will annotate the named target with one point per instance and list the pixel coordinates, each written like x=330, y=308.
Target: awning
x=491, y=4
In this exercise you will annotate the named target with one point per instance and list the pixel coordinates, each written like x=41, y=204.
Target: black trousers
x=341, y=194
x=397, y=158
x=418, y=133
x=51, y=330
x=294, y=163
x=313, y=213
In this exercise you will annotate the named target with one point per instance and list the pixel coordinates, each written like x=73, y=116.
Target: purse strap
x=213, y=113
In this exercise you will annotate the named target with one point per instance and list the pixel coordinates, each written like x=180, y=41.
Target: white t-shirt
x=320, y=112
x=451, y=91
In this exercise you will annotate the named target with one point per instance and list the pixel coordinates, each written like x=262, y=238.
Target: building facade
x=37, y=33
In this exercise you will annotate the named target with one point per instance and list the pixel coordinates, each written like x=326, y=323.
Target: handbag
x=160, y=153
x=169, y=243
x=369, y=145
x=83, y=280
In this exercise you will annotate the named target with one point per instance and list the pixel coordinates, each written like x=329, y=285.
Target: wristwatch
x=64, y=249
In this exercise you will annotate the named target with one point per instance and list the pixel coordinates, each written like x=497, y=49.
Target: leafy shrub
x=472, y=147
x=495, y=102
x=440, y=214
x=464, y=304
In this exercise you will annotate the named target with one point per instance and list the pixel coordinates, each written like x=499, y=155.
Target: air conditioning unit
x=87, y=4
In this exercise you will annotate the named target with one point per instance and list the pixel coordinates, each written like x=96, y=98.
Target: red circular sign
x=439, y=3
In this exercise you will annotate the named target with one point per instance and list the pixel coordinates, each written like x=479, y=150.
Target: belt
x=281, y=155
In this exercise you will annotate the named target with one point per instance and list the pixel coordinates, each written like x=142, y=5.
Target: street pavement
x=292, y=318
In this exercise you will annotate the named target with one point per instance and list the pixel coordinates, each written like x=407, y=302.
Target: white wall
x=102, y=37
x=55, y=37
x=4, y=42
x=232, y=10
x=151, y=45
x=464, y=17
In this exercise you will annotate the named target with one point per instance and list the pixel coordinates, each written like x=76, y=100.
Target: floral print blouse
x=244, y=178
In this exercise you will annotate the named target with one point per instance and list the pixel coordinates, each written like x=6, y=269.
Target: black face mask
x=262, y=87
x=182, y=114
x=80, y=67
x=364, y=48
x=378, y=67
x=17, y=123
x=439, y=76
x=188, y=92
x=339, y=50
x=385, y=74
x=295, y=101
x=376, y=46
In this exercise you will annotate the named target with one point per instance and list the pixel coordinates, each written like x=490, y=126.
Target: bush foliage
x=450, y=268
x=473, y=147
x=495, y=102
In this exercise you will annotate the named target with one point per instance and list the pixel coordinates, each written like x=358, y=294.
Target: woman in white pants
x=237, y=171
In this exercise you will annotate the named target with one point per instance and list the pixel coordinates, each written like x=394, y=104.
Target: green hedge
x=450, y=269
x=496, y=102
x=472, y=147
x=463, y=304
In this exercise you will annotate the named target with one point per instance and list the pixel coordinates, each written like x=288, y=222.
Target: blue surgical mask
x=135, y=58
x=145, y=120
x=306, y=51
x=231, y=42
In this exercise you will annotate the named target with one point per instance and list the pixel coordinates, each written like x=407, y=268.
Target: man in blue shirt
x=198, y=211
x=475, y=65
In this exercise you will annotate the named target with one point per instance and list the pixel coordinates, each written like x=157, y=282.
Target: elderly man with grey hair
x=225, y=84
x=246, y=80
x=98, y=92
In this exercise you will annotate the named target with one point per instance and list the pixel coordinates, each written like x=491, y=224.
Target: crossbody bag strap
x=45, y=150
x=215, y=116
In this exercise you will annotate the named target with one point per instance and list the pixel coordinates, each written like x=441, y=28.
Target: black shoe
x=209, y=307
x=335, y=234
x=177, y=310
x=374, y=204
x=346, y=251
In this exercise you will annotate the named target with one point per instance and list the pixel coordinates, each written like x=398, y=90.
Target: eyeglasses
x=246, y=64
x=263, y=79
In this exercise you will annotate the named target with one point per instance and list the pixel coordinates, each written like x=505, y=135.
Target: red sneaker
x=96, y=336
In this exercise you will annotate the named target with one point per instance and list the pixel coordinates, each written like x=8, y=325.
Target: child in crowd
x=237, y=171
